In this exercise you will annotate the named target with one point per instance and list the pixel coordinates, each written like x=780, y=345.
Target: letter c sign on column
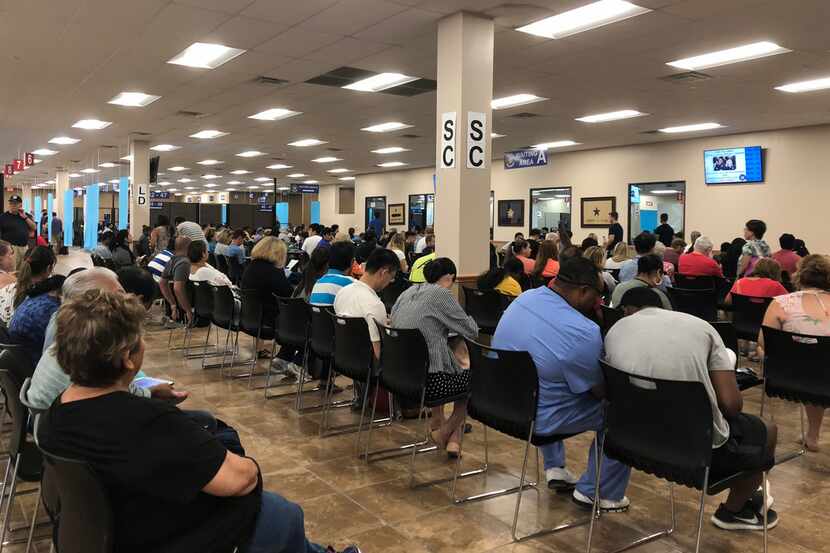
x=477, y=139
x=447, y=154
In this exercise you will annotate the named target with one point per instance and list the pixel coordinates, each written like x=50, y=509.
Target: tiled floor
x=346, y=500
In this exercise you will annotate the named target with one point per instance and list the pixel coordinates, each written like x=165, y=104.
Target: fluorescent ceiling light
x=496, y=135
x=283, y=188
x=515, y=100
x=45, y=152
x=338, y=170
x=38, y=161
x=127, y=157
x=555, y=144
x=346, y=178
x=274, y=114
x=250, y=153
x=390, y=150
x=179, y=194
x=91, y=124
x=64, y=140
x=210, y=185
x=392, y=164
x=803, y=86
x=178, y=168
x=210, y=177
x=206, y=56
x=134, y=99
x=231, y=190
x=583, y=19
x=278, y=166
x=310, y=182
x=190, y=188
x=233, y=182
x=262, y=179
x=296, y=175
x=185, y=180
x=306, y=142
x=208, y=134
x=611, y=116
x=692, y=128
x=732, y=55
x=208, y=162
x=328, y=159
x=74, y=175
x=108, y=165
x=113, y=181
x=380, y=82
x=661, y=192
x=253, y=186
x=90, y=170
x=162, y=183
x=389, y=126
x=240, y=172
x=164, y=148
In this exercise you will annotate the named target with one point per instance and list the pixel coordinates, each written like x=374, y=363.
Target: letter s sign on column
x=448, y=129
x=477, y=139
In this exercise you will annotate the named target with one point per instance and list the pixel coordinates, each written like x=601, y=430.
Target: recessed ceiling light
x=496, y=135
x=128, y=157
x=190, y=188
x=113, y=181
x=233, y=182
x=584, y=18
x=555, y=144
x=283, y=188
x=338, y=170
x=253, y=186
x=278, y=166
x=389, y=126
x=390, y=150
x=296, y=175
x=250, y=153
x=210, y=177
x=74, y=175
x=231, y=190
x=179, y=194
x=210, y=185
x=134, y=99
x=346, y=178
x=802, y=86
x=108, y=165
x=310, y=182
x=164, y=148
x=91, y=124
x=172, y=189
x=262, y=179
x=392, y=164
x=692, y=128
x=611, y=116
x=206, y=56
x=274, y=114
x=64, y=140
x=208, y=162
x=45, y=152
x=38, y=161
x=515, y=100
x=240, y=172
x=185, y=180
x=208, y=134
x=731, y=55
x=306, y=142
x=90, y=170
x=162, y=183
x=178, y=168
x=380, y=82
x=328, y=159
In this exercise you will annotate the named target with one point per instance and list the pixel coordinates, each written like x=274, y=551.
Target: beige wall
x=793, y=197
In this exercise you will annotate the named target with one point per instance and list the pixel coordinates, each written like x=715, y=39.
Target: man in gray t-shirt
x=175, y=275
x=657, y=343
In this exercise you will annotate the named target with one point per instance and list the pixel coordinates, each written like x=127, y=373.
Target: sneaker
x=757, y=499
x=605, y=505
x=747, y=519
x=560, y=479
x=351, y=549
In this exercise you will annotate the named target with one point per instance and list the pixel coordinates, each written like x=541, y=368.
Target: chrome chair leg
x=34, y=519
x=9, y=502
x=700, y=512
x=766, y=514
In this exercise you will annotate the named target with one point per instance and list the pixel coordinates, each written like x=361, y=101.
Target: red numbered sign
x=8, y=169
x=29, y=159
x=18, y=165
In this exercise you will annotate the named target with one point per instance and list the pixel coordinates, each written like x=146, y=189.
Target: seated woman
x=188, y=491
x=36, y=267
x=597, y=255
x=504, y=280
x=765, y=281
x=521, y=251
x=806, y=311
x=620, y=255
x=7, y=264
x=37, y=297
x=122, y=255
x=547, y=261
x=201, y=270
x=397, y=244
x=432, y=308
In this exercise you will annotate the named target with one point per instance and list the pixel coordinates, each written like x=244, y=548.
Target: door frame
x=530, y=204
x=630, y=239
x=366, y=210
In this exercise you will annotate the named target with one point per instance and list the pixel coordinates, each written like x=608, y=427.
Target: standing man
x=15, y=226
x=615, y=232
x=665, y=232
x=57, y=233
x=376, y=224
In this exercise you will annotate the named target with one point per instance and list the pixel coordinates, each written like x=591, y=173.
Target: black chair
x=504, y=394
x=222, y=263
x=637, y=434
x=391, y=293
x=321, y=346
x=696, y=282
x=485, y=307
x=747, y=378
x=614, y=273
x=234, y=270
x=212, y=260
x=252, y=323
x=795, y=370
x=610, y=316
x=748, y=314
x=702, y=303
x=293, y=329
x=202, y=313
x=225, y=315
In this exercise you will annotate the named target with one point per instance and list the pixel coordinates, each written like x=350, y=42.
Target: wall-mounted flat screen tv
x=734, y=165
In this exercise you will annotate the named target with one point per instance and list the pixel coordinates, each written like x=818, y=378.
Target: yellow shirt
x=416, y=273
x=509, y=287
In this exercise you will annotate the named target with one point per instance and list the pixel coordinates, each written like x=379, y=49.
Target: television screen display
x=733, y=165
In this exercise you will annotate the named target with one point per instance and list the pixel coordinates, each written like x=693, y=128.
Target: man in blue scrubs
x=551, y=325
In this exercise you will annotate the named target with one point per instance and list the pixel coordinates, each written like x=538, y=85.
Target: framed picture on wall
x=593, y=212
x=511, y=213
x=397, y=214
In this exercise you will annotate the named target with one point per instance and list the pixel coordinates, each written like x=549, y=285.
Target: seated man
x=656, y=343
x=644, y=245
x=552, y=324
x=649, y=275
x=173, y=282
x=700, y=262
x=339, y=275
x=236, y=250
x=188, y=492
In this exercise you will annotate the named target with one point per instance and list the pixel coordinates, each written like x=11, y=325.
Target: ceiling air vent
x=272, y=81
x=651, y=132
x=334, y=149
x=524, y=115
x=410, y=135
x=687, y=77
x=191, y=114
x=141, y=133
x=345, y=75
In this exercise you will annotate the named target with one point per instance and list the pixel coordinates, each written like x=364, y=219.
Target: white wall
x=330, y=205
x=793, y=197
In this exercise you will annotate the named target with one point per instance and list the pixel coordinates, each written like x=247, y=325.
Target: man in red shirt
x=786, y=257
x=700, y=262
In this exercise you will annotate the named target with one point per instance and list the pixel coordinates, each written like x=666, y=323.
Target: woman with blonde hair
x=398, y=245
x=620, y=255
x=597, y=255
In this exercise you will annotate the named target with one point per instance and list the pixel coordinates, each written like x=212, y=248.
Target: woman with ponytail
x=37, y=297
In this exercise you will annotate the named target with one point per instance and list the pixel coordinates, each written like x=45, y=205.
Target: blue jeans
x=280, y=528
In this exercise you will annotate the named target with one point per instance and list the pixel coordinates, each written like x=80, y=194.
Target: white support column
x=61, y=186
x=139, y=186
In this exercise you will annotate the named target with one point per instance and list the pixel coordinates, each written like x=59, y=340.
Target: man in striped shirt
x=158, y=263
x=341, y=255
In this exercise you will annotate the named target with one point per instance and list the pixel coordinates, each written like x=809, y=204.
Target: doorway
x=647, y=201
x=421, y=210
x=376, y=206
x=550, y=207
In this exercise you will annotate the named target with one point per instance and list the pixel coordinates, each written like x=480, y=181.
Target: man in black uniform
x=615, y=232
x=665, y=232
x=15, y=226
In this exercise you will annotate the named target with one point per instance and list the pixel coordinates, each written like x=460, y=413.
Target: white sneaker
x=560, y=479
x=605, y=505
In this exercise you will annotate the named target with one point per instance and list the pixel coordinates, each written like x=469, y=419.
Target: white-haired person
x=700, y=261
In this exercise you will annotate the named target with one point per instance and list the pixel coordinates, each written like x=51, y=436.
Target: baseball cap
x=15, y=199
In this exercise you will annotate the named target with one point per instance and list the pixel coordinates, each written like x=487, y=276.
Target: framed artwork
x=397, y=214
x=593, y=212
x=511, y=213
